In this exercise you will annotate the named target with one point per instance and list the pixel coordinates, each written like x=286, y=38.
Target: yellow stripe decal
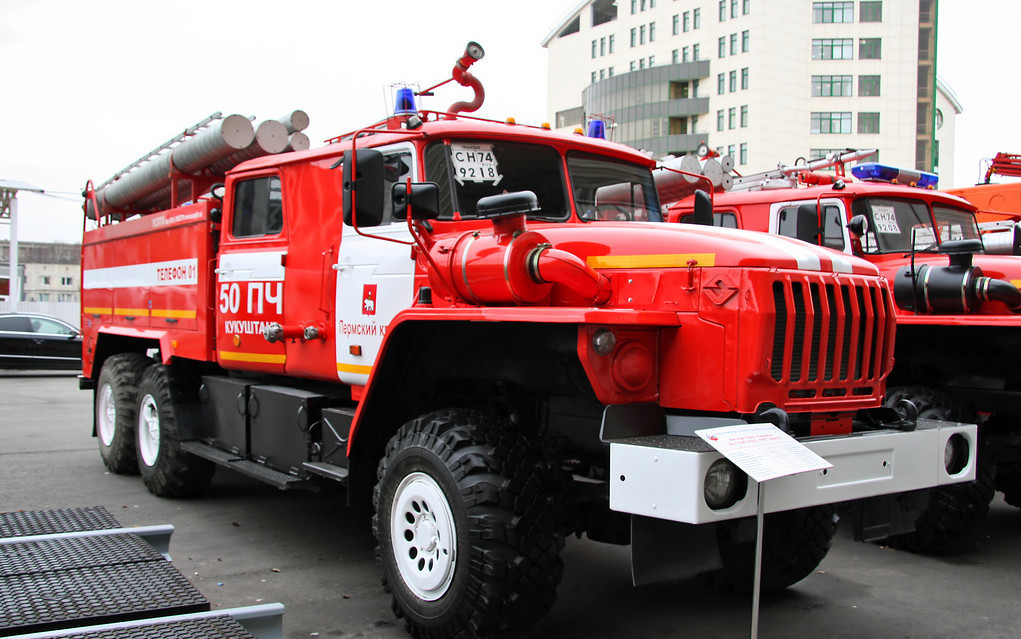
x=261, y=358
x=97, y=310
x=131, y=311
x=353, y=368
x=166, y=312
x=681, y=260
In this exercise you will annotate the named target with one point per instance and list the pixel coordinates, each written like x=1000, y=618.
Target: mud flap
x=877, y=518
x=663, y=550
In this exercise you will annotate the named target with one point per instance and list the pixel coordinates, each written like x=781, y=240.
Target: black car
x=29, y=340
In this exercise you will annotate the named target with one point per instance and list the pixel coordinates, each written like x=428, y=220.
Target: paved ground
x=245, y=543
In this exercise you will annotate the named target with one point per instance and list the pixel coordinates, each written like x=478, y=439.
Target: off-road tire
x=115, y=406
x=794, y=542
x=953, y=509
x=479, y=478
x=166, y=470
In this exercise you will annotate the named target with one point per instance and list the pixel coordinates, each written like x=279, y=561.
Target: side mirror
x=365, y=208
x=1016, y=244
x=807, y=226
x=423, y=201
x=218, y=190
x=858, y=225
x=703, y=209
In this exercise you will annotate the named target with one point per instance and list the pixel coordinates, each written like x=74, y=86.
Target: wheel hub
x=148, y=430
x=423, y=536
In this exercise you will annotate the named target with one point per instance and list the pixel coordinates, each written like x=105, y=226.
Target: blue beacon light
x=597, y=129
x=405, y=102
x=885, y=173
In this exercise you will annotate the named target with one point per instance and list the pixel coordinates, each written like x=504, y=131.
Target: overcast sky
x=87, y=87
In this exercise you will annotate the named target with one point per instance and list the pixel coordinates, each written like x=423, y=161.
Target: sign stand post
x=764, y=452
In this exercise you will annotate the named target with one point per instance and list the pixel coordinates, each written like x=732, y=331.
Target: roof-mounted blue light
x=884, y=173
x=597, y=129
x=405, y=102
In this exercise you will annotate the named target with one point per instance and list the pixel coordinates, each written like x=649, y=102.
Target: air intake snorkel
x=957, y=288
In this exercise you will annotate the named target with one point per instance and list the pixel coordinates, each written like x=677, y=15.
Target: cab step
x=263, y=473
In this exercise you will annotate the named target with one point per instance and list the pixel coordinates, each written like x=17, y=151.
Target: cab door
x=250, y=274
x=375, y=278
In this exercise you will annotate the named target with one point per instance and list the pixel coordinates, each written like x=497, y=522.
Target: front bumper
x=663, y=476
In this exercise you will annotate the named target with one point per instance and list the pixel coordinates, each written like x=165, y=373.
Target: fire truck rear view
x=488, y=331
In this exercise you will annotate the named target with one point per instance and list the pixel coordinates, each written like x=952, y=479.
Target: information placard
x=763, y=451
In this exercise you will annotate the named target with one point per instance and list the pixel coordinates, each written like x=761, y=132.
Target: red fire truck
x=486, y=329
x=956, y=296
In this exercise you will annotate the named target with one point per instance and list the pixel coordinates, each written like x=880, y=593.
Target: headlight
x=955, y=454
x=725, y=484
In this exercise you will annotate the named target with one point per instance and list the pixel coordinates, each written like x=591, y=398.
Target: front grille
x=828, y=331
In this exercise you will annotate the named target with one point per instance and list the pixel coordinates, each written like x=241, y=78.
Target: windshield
x=475, y=169
x=895, y=226
x=606, y=189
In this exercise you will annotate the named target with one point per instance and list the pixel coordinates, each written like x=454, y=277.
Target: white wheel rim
x=106, y=415
x=148, y=430
x=423, y=537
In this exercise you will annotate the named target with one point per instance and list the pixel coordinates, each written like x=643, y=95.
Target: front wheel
x=794, y=542
x=465, y=523
x=166, y=470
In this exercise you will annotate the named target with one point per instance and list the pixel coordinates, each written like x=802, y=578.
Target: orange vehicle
x=464, y=322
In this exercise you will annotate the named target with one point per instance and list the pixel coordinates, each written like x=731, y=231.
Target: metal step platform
x=263, y=473
x=106, y=581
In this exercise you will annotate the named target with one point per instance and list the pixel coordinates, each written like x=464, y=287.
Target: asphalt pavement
x=244, y=543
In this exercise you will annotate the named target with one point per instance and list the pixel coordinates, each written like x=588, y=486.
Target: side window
x=787, y=221
x=43, y=325
x=726, y=220
x=832, y=228
x=15, y=323
x=258, y=208
x=396, y=168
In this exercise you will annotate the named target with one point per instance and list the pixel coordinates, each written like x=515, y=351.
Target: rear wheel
x=794, y=542
x=116, y=403
x=466, y=526
x=166, y=470
x=955, y=508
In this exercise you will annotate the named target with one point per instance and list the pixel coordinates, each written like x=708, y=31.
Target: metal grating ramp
x=50, y=522
x=77, y=573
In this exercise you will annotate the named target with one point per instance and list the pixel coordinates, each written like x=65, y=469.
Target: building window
x=593, y=48
x=634, y=36
x=603, y=11
x=731, y=117
x=828, y=86
x=641, y=34
x=746, y=41
x=827, y=12
x=66, y=281
x=675, y=56
x=652, y=32
x=652, y=61
x=744, y=116
x=694, y=52
x=641, y=63
x=684, y=54
x=746, y=7
x=44, y=280
x=634, y=65
x=66, y=297
x=609, y=72
x=676, y=25
x=44, y=297
x=719, y=120
x=611, y=44
x=832, y=48
x=722, y=47
x=634, y=7
x=868, y=85
x=744, y=78
x=733, y=8
x=868, y=122
x=733, y=44
x=602, y=46
x=593, y=78
x=721, y=84
x=733, y=81
x=831, y=122
x=744, y=154
x=870, y=48
x=602, y=74
x=870, y=11
x=723, y=10
x=696, y=18
x=731, y=149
